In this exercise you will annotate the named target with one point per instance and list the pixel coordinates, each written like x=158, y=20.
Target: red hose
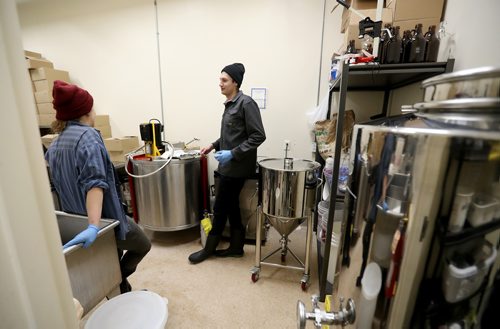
x=130, y=168
x=204, y=182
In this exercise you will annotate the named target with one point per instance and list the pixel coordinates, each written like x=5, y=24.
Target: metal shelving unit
x=366, y=77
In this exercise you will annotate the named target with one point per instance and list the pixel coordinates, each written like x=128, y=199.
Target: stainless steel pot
x=171, y=199
x=478, y=113
x=288, y=191
x=472, y=83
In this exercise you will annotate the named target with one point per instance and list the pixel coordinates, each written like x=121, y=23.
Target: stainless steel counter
x=94, y=272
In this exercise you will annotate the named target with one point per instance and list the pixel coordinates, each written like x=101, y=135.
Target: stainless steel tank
x=171, y=199
x=287, y=199
x=288, y=191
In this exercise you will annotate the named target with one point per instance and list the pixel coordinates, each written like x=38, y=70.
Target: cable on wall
x=159, y=67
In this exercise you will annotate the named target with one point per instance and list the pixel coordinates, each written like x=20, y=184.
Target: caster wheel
x=303, y=286
x=283, y=258
x=255, y=277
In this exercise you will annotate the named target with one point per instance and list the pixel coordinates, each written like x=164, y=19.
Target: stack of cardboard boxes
x=43, y=75
x=103, y=125
x=403, y=13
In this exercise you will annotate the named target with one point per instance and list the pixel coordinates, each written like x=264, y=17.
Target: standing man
x=241, y=133
x=85, y=180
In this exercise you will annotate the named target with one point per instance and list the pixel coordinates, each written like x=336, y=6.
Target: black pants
x=136, y=244
x=227, y=204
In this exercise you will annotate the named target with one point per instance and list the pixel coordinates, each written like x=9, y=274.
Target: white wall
x=109, y=47
x=34, y=284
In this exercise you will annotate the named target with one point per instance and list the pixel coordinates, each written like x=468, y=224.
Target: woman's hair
x=58, y=126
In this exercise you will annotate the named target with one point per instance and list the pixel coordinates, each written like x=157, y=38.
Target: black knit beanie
x=236, y=72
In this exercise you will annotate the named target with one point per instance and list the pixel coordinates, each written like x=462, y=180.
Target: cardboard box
x=43, y=85
x=410, y=9
x=102, y=120
x=359, y=5
x=46, y=119
x=34, y=63
x=48, y=139
x=352, y=31
x=28, y=53
x=353, y=19
x=410, y=24
x=46, y=73
x=47, y=85
x=122, y=144
x=117, y=156
x=43, y=96
x=104, y=130
x=45, y=108
x=364, y=4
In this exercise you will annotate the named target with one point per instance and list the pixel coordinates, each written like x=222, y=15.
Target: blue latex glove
x=87, y=237
x=223, y=156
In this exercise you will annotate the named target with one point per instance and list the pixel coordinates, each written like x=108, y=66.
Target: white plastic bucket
x=370, y=288
x=135, y=309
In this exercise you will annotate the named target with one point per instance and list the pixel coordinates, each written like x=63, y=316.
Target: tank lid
x=288, y=164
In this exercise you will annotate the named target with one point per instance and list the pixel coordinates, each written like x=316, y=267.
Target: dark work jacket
x=241, y=132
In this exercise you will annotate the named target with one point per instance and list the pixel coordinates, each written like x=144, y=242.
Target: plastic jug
x=370, y=288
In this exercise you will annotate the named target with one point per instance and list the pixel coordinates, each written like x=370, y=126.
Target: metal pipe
x=344, y=316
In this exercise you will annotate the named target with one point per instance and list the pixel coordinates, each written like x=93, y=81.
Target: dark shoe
x=229, y=253
x=210, y=245
x=125, y=286
x=236, y=243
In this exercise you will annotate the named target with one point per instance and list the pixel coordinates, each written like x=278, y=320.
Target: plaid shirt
x=78, y=162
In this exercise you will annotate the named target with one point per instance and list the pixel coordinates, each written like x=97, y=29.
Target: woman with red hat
x=84, y=177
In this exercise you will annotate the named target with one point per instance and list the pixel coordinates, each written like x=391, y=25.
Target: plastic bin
x=460, y=279
x=483, y=209
x=135, y=309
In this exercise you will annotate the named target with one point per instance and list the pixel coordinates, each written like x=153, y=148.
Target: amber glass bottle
x=384, y=38
x=417, y=50
x=393, y=49
x=405, y=56
x=432, y=49
x=351, y=48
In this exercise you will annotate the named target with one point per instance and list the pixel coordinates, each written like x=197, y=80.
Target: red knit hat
x=70, y=101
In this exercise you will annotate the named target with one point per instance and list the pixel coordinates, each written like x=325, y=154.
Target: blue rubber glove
x=87, y=237
x=223, y=156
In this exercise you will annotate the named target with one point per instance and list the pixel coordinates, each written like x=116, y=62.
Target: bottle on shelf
x=393, y=49
x=384, y=38
x=417, y=49
x=351, y=48
x=368, y=44
x=432, y=48
x=405, y=56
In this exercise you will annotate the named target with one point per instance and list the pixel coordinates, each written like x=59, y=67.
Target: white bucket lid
x=135, y=309
x=371, y=281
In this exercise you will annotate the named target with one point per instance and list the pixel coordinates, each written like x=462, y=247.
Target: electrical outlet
x=313, y=147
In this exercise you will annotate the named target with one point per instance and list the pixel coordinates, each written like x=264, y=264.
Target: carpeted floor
x=219, y=293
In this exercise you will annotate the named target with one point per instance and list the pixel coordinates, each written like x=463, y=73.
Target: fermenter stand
x=305, y=266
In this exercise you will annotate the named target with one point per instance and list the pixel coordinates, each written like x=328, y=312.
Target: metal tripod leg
x=256, y=269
